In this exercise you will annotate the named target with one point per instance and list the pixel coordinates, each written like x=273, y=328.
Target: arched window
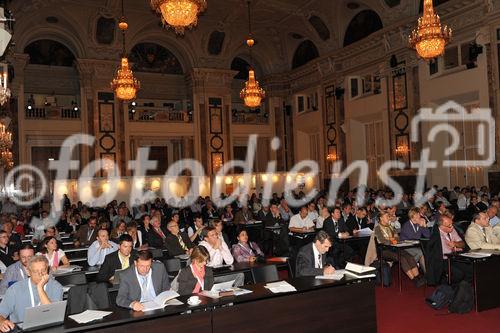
x=362, y=25
x=306, y=52
x=154, y=58
x=215, y=42
x=320, y=27
x=49, y=52
x=242, y=66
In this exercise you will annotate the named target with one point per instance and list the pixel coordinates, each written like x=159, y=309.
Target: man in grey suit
x=312, y=260
x=142, y=282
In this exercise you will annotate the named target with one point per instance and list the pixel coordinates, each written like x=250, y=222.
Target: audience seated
x=195, y=237
x=116, y=260
x=19, y=270
x=55, y=256
x=177, y=242
x=385, y=234
x=301, y=223
x=197, y=276
x=244, y=250
x=87, y=233
x=142, y=282
x=38, y=289
x=480, y=234
x=156, y=235
x=312, y=259
x=100, y=248
x=8, y=254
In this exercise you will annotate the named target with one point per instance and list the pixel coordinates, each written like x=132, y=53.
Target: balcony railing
x=52, y=113
x=249, y=118
x=161, y=115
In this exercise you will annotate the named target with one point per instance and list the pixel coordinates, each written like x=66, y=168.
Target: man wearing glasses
x=37, y=290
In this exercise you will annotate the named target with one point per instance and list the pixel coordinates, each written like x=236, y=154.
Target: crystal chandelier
x=4, y=90
x=6, y=160
x=179, y=14
x=252, y=94
x=124, y=84
x=429, y=38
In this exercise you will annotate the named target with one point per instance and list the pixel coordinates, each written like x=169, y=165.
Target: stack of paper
x=89, y=315
x=338, y=275
x=280, y=287
x=359, y=271
x=162, y=300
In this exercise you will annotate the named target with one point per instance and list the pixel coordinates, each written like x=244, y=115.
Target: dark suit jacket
x=187, y=281
x=155, y=240
x=352, y=224
x=305, y=262
x=81, y=235
x=329, y=227
x=15, y=241
x=174, y=247
x=110, y=265
x=130, y=290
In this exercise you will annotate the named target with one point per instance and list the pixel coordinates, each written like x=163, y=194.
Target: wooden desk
x=318, y=305
x=486, y=272
x=399, y=247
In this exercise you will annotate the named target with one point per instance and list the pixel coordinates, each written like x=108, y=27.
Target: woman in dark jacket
x=196, y=277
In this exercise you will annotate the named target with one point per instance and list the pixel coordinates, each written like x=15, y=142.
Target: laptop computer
x=42, y=316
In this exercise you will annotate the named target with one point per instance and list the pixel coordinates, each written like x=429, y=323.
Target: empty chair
x=173, y=266
x=266, y=273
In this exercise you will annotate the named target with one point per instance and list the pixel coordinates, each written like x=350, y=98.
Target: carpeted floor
x=407, y=312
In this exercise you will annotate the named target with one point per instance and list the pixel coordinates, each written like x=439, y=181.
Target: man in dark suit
x=87, y=233
x=312, y=260
x=121, y=259
x=177, y=242
x=357, y=222
x=142, y=282
x=336, y=228
x=156, y=235
x=14, y=239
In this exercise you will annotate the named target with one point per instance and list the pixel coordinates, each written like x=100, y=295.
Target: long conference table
x=317, y=306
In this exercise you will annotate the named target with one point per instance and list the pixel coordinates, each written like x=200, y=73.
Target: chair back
x=157, y=253
x=173, y=266
x=267, y=273
x=73, y=279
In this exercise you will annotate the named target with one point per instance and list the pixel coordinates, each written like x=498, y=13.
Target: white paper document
x=338, y=275
x=89, y=315
x=359, y=271
x=280, y=287
x=477, y=255
x=69, y=269
x=162, y=300
x=365, y=232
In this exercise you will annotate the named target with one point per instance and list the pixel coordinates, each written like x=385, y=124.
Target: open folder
x=162, y=300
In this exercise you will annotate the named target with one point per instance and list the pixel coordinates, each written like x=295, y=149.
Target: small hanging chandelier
x=124, y=84
x=429, y=38
x=4, y=90
x=179, y=14
x=252, y=94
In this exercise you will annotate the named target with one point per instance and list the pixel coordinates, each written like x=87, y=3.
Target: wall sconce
x=331, y=157
x=217, y=161
x=402, y=150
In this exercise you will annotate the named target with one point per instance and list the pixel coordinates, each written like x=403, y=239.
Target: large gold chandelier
x=252, y=94
x=125, y=85
x=429, y=38
x=179, y=14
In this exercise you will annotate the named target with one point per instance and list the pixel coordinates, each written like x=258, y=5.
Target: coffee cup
x=194, y=300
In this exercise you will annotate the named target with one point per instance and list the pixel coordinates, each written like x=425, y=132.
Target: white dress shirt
x=298, y=222
x=218, y=256
x=318, y=263
x=96, y=254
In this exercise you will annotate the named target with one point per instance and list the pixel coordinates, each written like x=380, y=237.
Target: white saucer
x=194, y=304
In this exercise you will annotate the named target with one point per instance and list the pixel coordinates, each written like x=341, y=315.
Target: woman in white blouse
x=57, y=257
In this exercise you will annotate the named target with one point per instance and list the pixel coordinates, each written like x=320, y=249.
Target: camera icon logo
x=481, y=141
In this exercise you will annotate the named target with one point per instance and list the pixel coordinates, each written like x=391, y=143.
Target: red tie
x=162, y=235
